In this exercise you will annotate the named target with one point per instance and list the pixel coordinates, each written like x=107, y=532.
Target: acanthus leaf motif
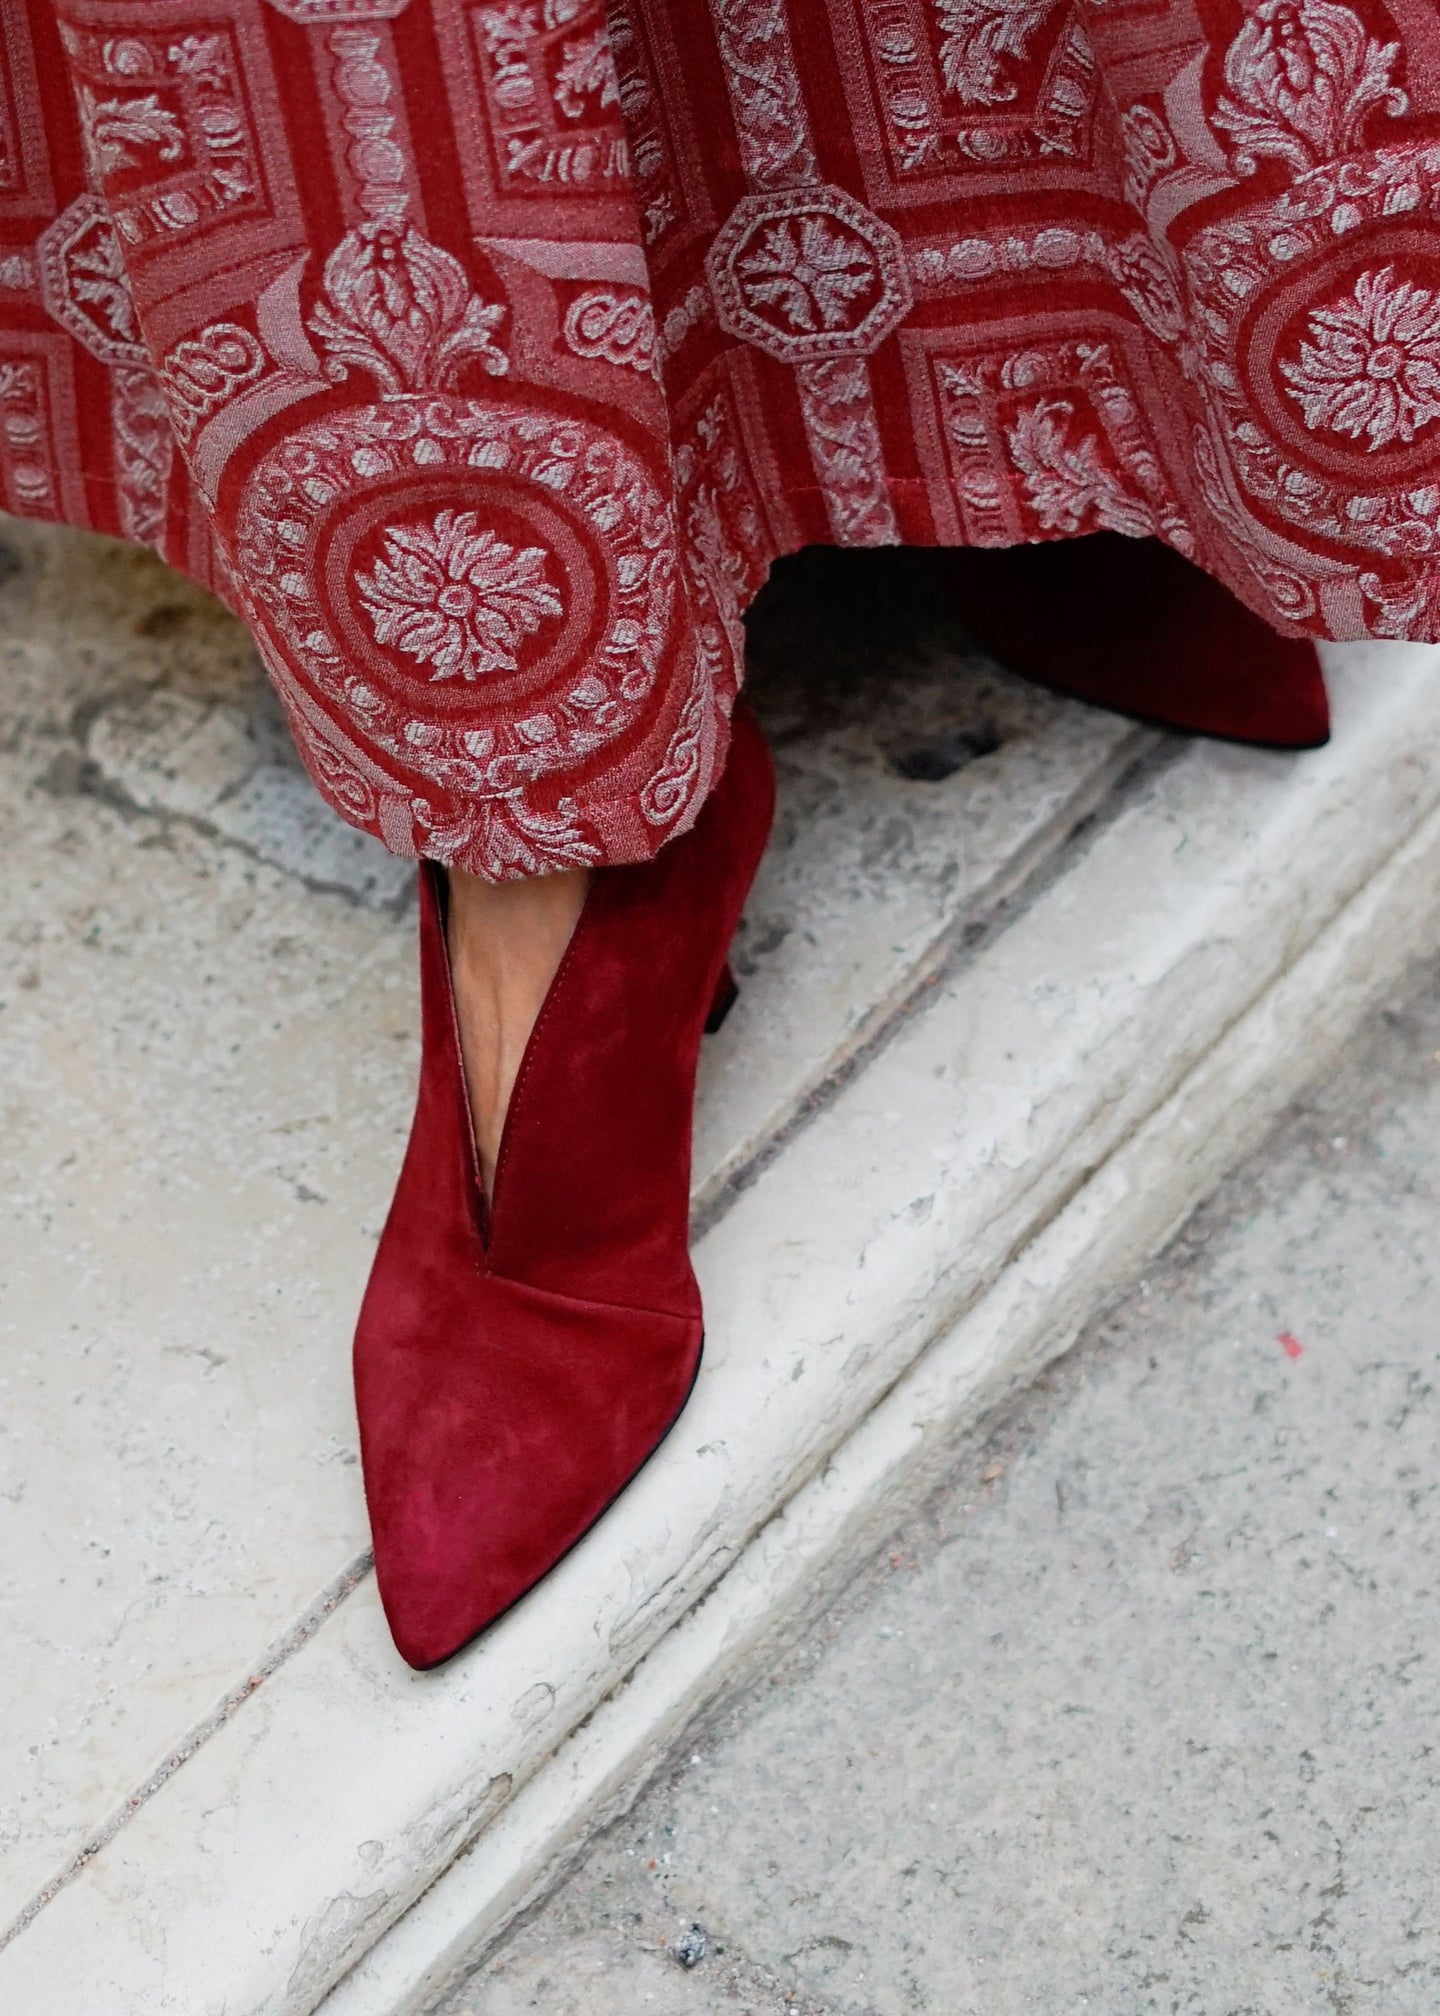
x=503, y=837
x=1068, y=483
x=404, y=309
x=118, y=131
x=982, y=37
x=1303, y=78
x=586, y=72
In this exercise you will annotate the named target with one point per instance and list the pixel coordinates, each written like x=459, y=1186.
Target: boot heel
x=727, y=993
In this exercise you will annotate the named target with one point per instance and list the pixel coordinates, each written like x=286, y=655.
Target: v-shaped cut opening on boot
x=487, y=1200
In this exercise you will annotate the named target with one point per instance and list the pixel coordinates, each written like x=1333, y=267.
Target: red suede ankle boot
x=517, y=1363
x=1132, y=625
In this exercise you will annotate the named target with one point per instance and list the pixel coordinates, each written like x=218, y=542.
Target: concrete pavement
x=1139, y=1716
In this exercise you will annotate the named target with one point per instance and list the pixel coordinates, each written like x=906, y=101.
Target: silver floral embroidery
x=809, y=270
x=118, y=130
x=457, y=598
x=980, y=37
x=1304, y=76
x=1067, y=482
x=1371, y=368
x=404, y=309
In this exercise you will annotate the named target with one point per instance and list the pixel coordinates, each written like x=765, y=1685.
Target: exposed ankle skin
x=506, y=940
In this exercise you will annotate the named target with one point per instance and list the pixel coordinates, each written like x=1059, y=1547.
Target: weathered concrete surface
x=206, y=1070
x=1138, y=1718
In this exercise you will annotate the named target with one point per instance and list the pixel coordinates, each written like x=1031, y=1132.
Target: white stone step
x=979, y=1128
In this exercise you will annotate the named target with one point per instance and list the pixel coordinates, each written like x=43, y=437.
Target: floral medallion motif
x=456, y=598
x=397, y=554
x=1178, y=275
x=1370, y=367
x=1324, y=412
x=805, y=270
x=400, y=552
x=808, y=273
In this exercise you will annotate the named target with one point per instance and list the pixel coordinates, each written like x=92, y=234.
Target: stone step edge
x=1052, y=1289
x=1094, y=798
x=1283, y=848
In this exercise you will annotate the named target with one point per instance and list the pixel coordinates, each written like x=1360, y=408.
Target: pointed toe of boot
x=484, y=1473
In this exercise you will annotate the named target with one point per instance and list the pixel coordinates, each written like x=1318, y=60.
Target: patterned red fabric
x=484, y=353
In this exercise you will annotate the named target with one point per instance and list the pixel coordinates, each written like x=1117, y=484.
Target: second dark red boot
x=1132, y=625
